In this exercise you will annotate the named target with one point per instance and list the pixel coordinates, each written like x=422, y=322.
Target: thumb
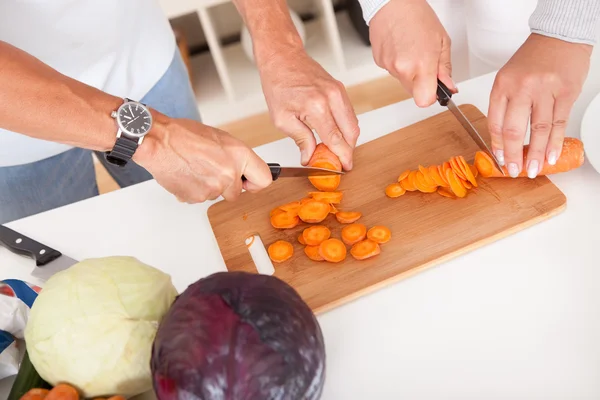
x=445, y=67
x=257, y=173
x=304, y=138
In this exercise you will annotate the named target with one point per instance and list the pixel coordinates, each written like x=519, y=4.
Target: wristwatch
x=134, y=121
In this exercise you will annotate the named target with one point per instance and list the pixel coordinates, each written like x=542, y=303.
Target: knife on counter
x=277, y=171
x=48, y=261
x=445, y=99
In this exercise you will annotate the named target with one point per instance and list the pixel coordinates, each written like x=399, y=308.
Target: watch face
x=134, y=119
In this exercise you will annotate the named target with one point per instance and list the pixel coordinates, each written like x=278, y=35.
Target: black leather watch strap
x=122, y=151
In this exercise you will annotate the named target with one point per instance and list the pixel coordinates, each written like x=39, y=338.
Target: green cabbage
x=93, y=325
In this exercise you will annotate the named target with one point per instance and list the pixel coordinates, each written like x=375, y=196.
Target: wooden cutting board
x=427, y=229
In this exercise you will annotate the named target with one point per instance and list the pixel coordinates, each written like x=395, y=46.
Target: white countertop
x=516, y=319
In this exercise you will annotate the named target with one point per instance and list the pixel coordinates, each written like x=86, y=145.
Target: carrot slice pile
x=280, y=251
x=365, y=249
x=314, y=211
x=354, y=233
x=347, y=217
x=314, y=235
x=333, y=250
x=327, y=197
x=379, y=234
x=394, y=190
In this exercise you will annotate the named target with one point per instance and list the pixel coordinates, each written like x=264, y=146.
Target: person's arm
x=574, y=21
x=300, y=94
x=193, y=161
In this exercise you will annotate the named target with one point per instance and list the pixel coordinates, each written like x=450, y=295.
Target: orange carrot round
x=301, y=239
x=468, y=172
x=403, y=175
x=455, y=184
x=332, y=250
x=435, y=175
x=35, y=394
x=421, y=184
x=379, y=234
x=62, y=391
x=314, y=235
x=276, y=210
x=314, y=211
x=455, y=165
x=280, y=251
x=348, y=217
x=291, y=206
x=446, y=193
x=427, y=179
x=284, y=220
x=327, y=197
x=354, y=233
x=407, y=185
x=394, y=190
x=365, y=249
x=312, y=252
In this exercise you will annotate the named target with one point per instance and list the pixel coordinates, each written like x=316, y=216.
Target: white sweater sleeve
x=570, y=20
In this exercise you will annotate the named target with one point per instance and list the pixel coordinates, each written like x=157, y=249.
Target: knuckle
x=541, y=127
x=495, y=129
x=404, y=67
x=279, y=121
x=318, y=106
x=512, y=134
x=559, y=123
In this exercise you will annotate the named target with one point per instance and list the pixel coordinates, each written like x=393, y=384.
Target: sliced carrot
x=354, y=233
x=314, y=235
x=473, y=170
x=454, y=163
x=276, y=210
x=394, y=190
x=407, y=184
x=314, y=211
x=332, y=209
x=35, y=394
x=284, y=220
x=467, y=171
x=457, y=188
x=325, y=158
x=323, y=153
x=571, y=157
x=280, y=251
x=301, y=239
x=427, y=179
x=412, y=179
x=379, y=234
x=62, y=391
x=305, y=200
x=442, y=173
x=292, y=206
x=422, y=185
x=332, y=250
x=327, y=197
x=365, y=249
x=348, y=217
x=446, y=192
x=313, y=253
x=403, y=175
x=434, y=172
x=466, y=184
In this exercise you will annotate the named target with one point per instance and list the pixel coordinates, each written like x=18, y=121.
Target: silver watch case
x=122, y=130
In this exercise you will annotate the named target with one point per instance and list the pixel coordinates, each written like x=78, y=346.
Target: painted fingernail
x=552, y=158
x=513, y=170
x=500, y=157
x=532, y=170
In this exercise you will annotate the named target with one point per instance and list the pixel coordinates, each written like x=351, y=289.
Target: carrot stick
x=332, y=250
x=284, y=220
x=354, y=233
x=327, y=197
x=379, y=234
x=314, y=211
x=403, y=175
x=446, y=192
x=571, y=157
x=35, y=394
x=457, y=188
x=348, y=217
x=365, y=249
x=313, y=253
x=394, y=190
x=314, y=235
x=280, y=251
x=301, y=239
x=62, y=391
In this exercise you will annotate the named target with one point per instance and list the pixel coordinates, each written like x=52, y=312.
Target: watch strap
x=122, y=151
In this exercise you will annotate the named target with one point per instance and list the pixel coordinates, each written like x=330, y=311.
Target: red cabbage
x=238, y=336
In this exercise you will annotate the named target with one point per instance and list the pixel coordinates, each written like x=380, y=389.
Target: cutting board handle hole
x=259, y=255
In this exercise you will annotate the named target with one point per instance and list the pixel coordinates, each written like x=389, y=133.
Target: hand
x=302, y=96
x=196, y=162
x=539, y=83
x=409, y=41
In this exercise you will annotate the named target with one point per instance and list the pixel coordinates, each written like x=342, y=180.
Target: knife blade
x=445, y=99
x=48, y=261
x=277, y=171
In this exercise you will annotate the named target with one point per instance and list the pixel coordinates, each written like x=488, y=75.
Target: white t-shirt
x=122, y=47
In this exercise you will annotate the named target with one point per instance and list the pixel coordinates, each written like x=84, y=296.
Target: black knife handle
x=443, y=94
x=275, y=171
x=21, y=244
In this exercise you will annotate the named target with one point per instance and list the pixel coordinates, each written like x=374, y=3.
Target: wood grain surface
x=427, y=229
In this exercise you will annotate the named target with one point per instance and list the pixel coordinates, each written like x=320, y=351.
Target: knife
x=445, y=99
x=48, y=261
x=277, y=171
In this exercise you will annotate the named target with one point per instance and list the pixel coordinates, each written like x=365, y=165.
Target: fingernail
x=303, y=156
x=513, y=170
x=552, y=158
x=500, y=157
x=532, y=170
